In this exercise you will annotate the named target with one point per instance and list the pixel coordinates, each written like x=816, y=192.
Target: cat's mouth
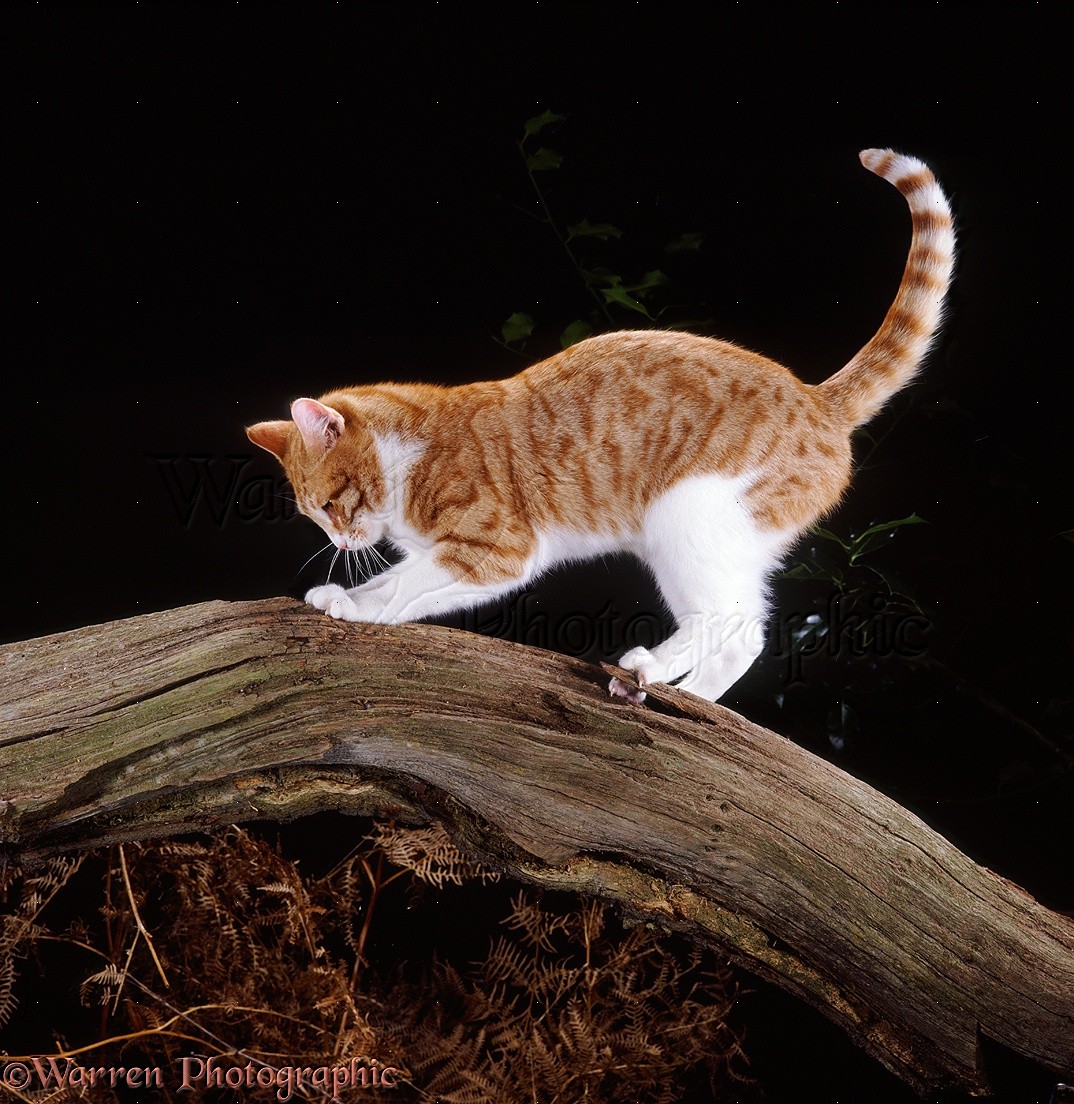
x=365, y=536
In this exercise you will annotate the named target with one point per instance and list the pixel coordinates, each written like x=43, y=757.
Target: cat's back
x=678, y=399
x=635, y=411
x=669, y=361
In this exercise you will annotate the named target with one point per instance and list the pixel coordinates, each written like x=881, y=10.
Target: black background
x=218, y=208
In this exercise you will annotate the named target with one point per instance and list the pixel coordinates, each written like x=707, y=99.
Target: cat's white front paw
x=345, y=608
x=321, y=597
x=336, y=602
x=354, y=605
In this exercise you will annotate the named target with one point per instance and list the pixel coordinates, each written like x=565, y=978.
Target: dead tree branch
x=681, y=811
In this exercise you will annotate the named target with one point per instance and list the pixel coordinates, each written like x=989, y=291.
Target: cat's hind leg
x=711, y=564
x=720, y=631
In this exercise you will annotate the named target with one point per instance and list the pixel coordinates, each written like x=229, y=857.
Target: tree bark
x=680, y=810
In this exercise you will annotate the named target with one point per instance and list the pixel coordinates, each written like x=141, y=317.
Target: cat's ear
x=271, y=436
x=319, y=425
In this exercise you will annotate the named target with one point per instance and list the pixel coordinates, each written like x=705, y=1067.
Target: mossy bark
x=681, y=811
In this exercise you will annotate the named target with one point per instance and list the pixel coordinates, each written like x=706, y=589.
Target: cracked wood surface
x=681, y=811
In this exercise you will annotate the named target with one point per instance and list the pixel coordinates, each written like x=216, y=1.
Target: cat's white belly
x=704, y=515
x=556, y=546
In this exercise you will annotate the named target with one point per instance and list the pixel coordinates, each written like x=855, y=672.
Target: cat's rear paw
x=321, y=597
x=620, y=689
x=646, y=667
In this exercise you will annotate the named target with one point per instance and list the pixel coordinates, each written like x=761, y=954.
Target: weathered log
x=680, y=810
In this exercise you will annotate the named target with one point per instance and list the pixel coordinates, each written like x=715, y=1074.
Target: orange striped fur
x=704, y=459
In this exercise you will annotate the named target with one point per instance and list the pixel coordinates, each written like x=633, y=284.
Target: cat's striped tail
x=892, y=357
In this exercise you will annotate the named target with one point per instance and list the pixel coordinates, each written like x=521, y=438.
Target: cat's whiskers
x=704, y=460
x=368, y=567
x=319, y=552
x=332, y=563
x=378, y=557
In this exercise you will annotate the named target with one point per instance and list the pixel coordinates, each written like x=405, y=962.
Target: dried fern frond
x=107, y=981
x=243, y=927
x=535, y=924
x=20, y=928
x=429, y=854
x=8, y=1001
x=569, y=1009
x=567, y=1006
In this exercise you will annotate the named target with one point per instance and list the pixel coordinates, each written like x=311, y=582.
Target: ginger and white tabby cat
x=703, y=459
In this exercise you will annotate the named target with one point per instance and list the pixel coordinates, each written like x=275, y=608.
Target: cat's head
x=334, y=467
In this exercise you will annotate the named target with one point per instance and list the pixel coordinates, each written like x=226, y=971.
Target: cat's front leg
x=360, y=603
x=418, y=587
x=321, y=597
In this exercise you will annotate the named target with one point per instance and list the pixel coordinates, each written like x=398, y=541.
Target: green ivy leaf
x=804, y=569
x=896, y=588
x=543, y=160
x=587, y=229
x=517, y=328
x=684, y=243
x=877, y=535
x=617, y=294
x=539, y=122
x=650, y=280
x=577, y=331
x=827, y=534
x=599, y=275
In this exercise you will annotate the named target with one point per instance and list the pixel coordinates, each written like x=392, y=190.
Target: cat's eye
x=329, y=506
